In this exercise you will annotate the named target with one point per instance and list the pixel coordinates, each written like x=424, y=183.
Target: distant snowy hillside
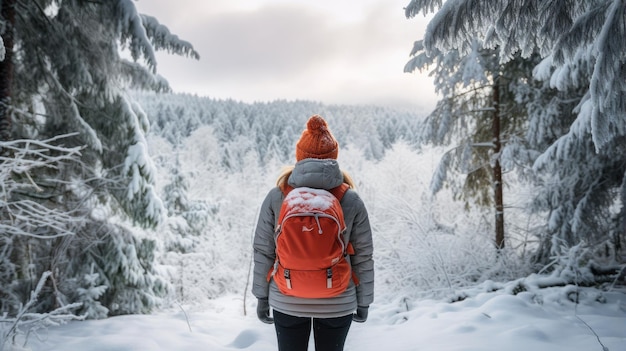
x=272, y=128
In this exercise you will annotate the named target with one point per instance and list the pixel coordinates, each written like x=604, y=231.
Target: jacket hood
x=316, y=173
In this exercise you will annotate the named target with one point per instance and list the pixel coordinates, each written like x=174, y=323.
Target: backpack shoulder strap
x=286, y=189
x=339, y=191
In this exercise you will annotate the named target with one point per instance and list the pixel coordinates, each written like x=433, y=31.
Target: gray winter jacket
x=320, y=174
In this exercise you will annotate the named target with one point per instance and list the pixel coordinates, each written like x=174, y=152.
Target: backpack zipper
x=278, y=230
x=317, y=220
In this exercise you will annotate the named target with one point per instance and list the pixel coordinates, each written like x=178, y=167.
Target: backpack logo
x=312, y=266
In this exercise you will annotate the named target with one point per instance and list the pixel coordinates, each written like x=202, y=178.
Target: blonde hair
x=281, y=182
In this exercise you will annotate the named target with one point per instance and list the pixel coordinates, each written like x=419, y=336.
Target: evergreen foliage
x=574, y=113
x=70, y=78
x=482, y=114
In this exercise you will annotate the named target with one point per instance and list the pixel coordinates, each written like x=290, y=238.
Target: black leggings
x=293, y=332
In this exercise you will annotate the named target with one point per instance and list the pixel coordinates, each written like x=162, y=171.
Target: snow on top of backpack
x=308, y=199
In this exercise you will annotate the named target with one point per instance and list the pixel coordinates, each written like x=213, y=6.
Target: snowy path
x=483, y=323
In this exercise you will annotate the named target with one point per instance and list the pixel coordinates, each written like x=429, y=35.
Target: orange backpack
x=310, y=248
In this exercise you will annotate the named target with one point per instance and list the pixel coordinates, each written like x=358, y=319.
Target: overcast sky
x=333, y=51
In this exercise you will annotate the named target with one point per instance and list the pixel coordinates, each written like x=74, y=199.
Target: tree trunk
x=620, y=236
x=6, y=69
x=497, y=170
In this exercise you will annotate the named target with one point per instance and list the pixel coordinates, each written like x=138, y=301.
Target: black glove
x=263, y=311
x=361, y=314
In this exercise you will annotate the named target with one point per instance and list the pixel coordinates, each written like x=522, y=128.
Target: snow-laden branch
x=20, y=216
x=574, y=35
x=146, y=35
x=134, y=31
x=30, y=153
x=25, y=322
x=29, y=218
x=162, y=39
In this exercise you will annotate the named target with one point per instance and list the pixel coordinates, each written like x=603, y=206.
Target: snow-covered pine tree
x=26, y=224
x=584, y=57
x=482, y=110
x=186, y=218
x=69, y=74
x=89, y=297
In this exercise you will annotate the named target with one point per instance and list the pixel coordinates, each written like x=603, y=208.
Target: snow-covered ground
x=539, y=319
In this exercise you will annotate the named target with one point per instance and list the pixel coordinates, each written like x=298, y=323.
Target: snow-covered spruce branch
x=31, y=153
x=448, y=161
x=25, y=217
x=28, y=154
x=575, y=266
x=46, y=143
x=25, y=323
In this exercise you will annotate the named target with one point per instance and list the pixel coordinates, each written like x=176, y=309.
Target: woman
x=330, y=318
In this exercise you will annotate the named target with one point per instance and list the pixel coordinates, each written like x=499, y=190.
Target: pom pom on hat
x=316, y=141
x=316, y=124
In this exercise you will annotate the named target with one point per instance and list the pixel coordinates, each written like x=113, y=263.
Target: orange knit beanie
x=316, y=141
